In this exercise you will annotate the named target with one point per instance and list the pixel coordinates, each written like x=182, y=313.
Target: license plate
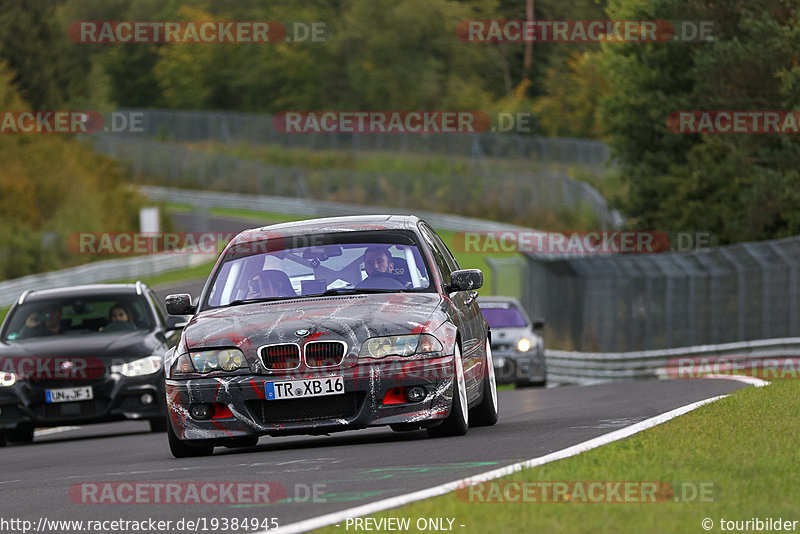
x=69, y=394
x=299, y=389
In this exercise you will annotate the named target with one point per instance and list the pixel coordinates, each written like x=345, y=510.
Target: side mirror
x=180, y=304
x=465, y=280
x=176, y=322
x=538, y=324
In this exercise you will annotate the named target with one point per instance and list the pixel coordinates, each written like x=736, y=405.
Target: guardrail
x=205, y=200
x=101, y=271
x=566, y=367
x=227, y=127
x=515, y=195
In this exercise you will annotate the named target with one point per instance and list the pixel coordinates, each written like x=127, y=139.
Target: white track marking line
x=751, y=380
x=56, y=430
x=400, y=500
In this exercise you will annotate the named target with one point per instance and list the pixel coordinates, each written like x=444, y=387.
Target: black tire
x=21, y=435
x=457, y=423
x=485, y=414
x=180, y=449
x=529, y=384
x=158, y=425
x=2, y=439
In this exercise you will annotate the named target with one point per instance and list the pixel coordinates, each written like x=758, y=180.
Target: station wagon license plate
x=300, y=389
x=68, y=394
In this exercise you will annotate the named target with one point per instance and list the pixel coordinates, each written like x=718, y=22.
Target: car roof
x=83, y=291
x=348, y=223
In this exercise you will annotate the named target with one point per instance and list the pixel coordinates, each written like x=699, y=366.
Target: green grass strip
x=734, y=459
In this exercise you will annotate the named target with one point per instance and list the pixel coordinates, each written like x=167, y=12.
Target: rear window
x=100, y=315
x=503, y=317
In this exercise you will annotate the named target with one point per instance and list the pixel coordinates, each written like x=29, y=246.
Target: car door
x=465, y=308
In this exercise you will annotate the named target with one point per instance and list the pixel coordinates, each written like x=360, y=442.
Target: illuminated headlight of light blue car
x=409, y=345
x=145, y=366
x=206, y=361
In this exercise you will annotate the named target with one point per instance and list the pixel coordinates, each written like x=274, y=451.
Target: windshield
x=101, y=315
x=502, y=315
x=342, y=263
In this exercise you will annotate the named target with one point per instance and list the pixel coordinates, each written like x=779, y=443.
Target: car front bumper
x=115, y=398
x=373, y=395
x=514, y=367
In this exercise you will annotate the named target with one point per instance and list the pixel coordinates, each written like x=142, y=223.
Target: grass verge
x=743, y=447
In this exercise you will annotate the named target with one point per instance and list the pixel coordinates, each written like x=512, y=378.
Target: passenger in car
x=118, y=314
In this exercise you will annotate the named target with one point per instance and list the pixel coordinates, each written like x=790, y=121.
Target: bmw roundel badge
x=302, y=332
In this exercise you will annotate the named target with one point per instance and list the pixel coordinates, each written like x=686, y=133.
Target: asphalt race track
x=349, y=468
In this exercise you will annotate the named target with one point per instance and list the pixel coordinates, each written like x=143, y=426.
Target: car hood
x=117, y=347
x=352, y=318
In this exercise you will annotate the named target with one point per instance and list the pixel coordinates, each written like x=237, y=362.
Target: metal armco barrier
x=568, y=367
x=101, y=271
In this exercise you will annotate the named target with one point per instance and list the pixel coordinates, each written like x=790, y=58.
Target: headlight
x=380, y=347
x=206, y=361
x=7, y=379
x=145, y=366
x=524, y=345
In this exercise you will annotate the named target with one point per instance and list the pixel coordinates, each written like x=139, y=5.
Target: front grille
x=303, y=410
x=501, y=347
x=280, y=356
x=324, y=353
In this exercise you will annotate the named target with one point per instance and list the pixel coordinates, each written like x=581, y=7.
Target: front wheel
x=21, y=435
x=485, y=414
x=180, y=449
x=158, y=425
x=457, y=423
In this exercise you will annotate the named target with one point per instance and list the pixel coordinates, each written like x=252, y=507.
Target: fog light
x=415, y=394
x=146, y=399
x=201, y=411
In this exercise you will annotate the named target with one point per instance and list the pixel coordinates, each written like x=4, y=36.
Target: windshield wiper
x=350, y=291
x=237, y=302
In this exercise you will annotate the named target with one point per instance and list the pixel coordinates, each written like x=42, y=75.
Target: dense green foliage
x=381, y=54
x=740, y=186
x=51, y=187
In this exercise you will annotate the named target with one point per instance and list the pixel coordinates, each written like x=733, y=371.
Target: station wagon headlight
x=380, y=347
x=145, y=366
x=206, y=361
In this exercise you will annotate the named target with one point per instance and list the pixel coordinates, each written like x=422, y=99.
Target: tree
x=739, y=186
x=49, y=72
